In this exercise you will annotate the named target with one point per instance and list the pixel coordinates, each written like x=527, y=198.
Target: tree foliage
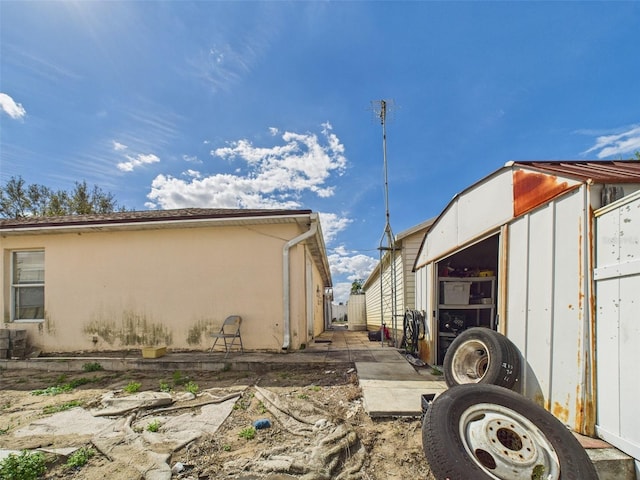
x=19, y=200
x=356, y=286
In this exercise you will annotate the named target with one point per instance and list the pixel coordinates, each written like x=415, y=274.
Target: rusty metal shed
x=521, y=242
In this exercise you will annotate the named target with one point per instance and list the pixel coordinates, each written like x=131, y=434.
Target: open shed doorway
x=466, y=291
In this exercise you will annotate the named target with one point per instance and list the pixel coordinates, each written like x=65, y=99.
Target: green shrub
x=51, y=391
x=192, y=387
x=179, y=379
x=26, y=466
x=154, y=426
x=132, y=387
x=80, y=457
x=165, y=387
x=248, y=433
x=92, y=367
x=48, y=410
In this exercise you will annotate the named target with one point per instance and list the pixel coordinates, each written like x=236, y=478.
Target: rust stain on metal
x=591, y=377
x=580, y=268
x=561, y=412
x=531, y=190
x=585, y=421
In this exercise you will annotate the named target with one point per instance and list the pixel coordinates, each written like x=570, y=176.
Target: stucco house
x=168, y=277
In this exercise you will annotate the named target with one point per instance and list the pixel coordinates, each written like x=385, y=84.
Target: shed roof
x=622, y=171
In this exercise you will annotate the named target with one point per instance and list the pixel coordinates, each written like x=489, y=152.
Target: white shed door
x=617, y=276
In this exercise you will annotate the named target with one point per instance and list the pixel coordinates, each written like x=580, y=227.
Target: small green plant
x=179, y=378
x=261, y=408
x=248, y=433
x=79, y=381
x=226, y=447
x=50, y=409
x=244, y=402
x=51, y=391
x=25, y=466
x=92, y=367
x=154, y=426
x=303, y=396
x=315, y=388
x=192, y=387
x=80, y=457
x=60, y=379
x=436, y=371
x=132, y=387
x=165, y=387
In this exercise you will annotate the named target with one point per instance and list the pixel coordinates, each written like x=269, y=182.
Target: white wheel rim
x=470, y=362
x=507, y=445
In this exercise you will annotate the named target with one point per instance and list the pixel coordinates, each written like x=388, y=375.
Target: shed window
x=27, y=285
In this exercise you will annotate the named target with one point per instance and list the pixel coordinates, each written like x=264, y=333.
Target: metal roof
x=146, y=216
x=605, y=171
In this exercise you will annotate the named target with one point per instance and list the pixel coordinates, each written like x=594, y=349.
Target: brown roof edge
x=145, y=216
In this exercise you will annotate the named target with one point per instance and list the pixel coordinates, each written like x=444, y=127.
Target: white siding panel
x=483, y=207
x=539, y=296
x=617, y=276
x=487, y=205
x=570, y=316
x=547, y=305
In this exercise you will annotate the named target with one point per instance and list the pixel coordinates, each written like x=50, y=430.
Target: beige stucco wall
x=167, y=286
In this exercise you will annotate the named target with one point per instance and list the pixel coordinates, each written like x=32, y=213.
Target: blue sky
x=269, y=104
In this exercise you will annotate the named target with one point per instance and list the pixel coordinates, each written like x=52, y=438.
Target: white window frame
x=15, y=286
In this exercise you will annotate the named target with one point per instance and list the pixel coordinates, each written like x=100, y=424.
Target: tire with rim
x=485, y=432
x=482, y=355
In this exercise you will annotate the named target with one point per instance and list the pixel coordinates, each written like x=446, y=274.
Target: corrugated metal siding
x=548, y=312
x=617, y=277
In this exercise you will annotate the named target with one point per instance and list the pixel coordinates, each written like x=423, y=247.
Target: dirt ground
x=358, y=448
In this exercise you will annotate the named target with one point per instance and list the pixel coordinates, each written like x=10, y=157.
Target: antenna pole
x=387, y=248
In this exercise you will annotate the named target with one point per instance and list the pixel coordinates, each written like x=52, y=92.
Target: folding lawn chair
x=230, y=330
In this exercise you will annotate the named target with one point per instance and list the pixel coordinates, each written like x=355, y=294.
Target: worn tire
x=486, y=432
x=481, y=355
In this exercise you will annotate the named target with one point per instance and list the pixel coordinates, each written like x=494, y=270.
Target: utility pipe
x=286, y=294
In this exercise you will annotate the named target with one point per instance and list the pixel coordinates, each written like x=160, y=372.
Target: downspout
x=286, y=287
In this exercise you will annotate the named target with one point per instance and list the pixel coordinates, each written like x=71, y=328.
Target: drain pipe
x=286, y=294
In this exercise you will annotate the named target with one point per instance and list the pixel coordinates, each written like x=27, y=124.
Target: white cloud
x=192, y=173
x=137, y=161
x=617, y=144
x=118, y=147
x=349, y=265
x=332, y=224
x=341, y=292
x=191, y=159
x=11, y=108
x=275, y=176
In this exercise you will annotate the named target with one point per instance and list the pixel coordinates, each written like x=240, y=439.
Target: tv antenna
x=387, y=246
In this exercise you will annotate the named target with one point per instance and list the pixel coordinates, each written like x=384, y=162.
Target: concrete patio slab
x=389, y=398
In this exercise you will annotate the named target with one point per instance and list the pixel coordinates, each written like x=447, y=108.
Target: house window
x=27, y=285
